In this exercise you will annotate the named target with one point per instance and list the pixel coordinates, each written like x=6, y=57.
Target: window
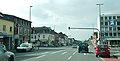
x=101, y=23
x=106, y=34
x=4, y=27
x=101, y=18
x=109, y=17
x=114, y=34
x=11, y=29
x=110, y=34
x=106, y=28
x=114, y=17
x=118, y=34
x=38, y=35
x=114, y=28
x=118, y=23
x=105, y=18
x=118, y=17
x=102, y=29
x=43, y=36
x=118, y=28
x=110, y=28
x=106, y=23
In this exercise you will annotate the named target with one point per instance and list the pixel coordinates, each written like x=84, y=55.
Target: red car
x=102, y=50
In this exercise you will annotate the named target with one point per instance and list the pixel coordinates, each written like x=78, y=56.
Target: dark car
x=102, y=50
x=83, y=47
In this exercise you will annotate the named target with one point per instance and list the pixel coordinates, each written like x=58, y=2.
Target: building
x=22, y=29
x=6, y=31
x=44, y=35
x=109, y=26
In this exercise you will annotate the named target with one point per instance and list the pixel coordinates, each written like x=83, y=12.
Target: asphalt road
x=58, y=54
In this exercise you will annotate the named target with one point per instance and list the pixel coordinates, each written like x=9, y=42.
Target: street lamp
x=99, y=9
x=30, y=13
x=99, y=5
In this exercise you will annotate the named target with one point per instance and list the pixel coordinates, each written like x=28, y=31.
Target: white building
x=109, y=26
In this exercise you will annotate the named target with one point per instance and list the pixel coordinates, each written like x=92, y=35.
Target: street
x=59, y=54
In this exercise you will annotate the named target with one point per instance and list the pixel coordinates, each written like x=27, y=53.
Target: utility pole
x=99, y=5
x=30, y=13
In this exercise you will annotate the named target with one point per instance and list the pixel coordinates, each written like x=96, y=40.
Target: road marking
x=74, y=52
x=64, y=52
x=57, y=52
x=102, y=59
x=69, y=57
x=45, y=53
x=40, y=56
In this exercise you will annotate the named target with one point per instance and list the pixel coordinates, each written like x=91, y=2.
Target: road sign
x=112, y=23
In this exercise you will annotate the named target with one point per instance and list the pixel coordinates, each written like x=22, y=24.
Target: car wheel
x=96, y=55
x=11, y=58
x=108, y=56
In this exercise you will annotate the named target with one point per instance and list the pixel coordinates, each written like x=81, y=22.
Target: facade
x=45, y=35
x=6, y=32
x=110, y=29
x=22, y=29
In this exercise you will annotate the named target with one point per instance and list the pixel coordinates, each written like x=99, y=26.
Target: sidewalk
x=116, y=54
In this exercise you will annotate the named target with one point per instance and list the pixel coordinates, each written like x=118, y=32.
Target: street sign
x=112, y=23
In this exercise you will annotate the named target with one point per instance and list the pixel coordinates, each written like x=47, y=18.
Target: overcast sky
x=61, y=14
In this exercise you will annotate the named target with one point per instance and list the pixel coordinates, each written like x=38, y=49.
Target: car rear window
x=102, y=46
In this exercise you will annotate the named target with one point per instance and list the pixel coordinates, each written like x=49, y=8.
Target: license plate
x=102, y=51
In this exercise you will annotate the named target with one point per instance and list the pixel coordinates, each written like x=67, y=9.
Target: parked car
x=74, y=46
x=25, y=47
x=102, y=50
x=83, y=47
x=6, y=55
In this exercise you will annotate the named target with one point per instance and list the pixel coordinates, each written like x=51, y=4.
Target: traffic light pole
x=89, y=29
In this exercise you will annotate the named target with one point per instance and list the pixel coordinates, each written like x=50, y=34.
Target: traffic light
x=69, y=28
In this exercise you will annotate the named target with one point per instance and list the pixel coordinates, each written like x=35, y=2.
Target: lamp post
x=30, y=13
x=99, y=5
x=30, y=25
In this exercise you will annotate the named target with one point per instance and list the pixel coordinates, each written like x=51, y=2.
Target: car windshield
x=24, y=45
x=102, y=46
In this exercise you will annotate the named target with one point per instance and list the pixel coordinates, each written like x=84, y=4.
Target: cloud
x=61, y=13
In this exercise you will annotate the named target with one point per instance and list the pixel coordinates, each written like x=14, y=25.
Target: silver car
x=6, y=55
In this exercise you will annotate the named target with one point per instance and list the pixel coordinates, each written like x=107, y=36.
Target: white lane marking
x=85, y=54
x=57, y=52
x=40, y=56
x=74, y=52
x=102, y=59
x=64, y=52
x=45, y=53
x=69, y=57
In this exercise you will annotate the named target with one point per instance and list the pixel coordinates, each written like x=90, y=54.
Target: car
x=6, y=55
x=74, y=46
x=25, y=47
x=83, y=47
x=102, y=50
